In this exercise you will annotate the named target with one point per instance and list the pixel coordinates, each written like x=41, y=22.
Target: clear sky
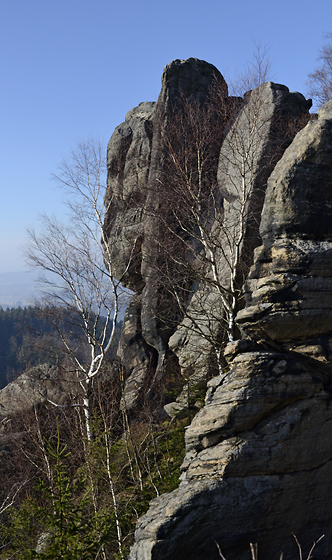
x=73, y=68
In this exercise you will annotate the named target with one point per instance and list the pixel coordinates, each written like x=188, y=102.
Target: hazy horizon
x=18, y=288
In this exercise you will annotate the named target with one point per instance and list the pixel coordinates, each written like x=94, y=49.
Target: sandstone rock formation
x=256, y=139
x=259, y=462
x=155, y=330
x=133, y=197
x=290, y=285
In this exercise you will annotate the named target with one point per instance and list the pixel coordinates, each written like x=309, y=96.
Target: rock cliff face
x=135, y=162
x=157, y=334
x=259, y=461
x=256, y=139
x=289, y=287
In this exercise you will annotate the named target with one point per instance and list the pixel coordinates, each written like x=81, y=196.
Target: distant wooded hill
x=28, y=339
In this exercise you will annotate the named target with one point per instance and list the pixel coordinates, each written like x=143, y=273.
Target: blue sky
x=73, y=68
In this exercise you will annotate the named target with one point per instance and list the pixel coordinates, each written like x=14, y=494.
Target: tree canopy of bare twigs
x=320, y=80
x=206, y=239
x=257, y=72
x=218, y=156
x=191, y=138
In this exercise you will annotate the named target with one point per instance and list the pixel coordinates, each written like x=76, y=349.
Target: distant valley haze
x=18, y=288
x=21, y=289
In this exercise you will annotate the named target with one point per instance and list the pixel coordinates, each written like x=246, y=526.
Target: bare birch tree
x=257, y=72
x=210, y=218
x=191, y=139
x=81, y=293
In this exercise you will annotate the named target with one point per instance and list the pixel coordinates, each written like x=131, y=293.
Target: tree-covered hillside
x=22, y=333
x=27, y=338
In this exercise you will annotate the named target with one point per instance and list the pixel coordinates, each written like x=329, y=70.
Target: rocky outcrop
x=289, y=288
x=259, y=462
x=137, y=192
x=256, y=139
x=30, y=389
x=134, y=195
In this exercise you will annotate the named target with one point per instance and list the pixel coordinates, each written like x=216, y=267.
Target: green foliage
x=71, y=514
x=58, y=521
x=20, y=534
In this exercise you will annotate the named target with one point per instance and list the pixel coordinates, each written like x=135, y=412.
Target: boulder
x=32, y=388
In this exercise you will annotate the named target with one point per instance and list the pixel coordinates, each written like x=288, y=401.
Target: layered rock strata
x=258, y=467
x=289, y=288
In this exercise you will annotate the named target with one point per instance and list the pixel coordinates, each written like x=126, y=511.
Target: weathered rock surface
x=261, y=131
x=136, y=193
x=30, y=389
x=136, y=356
x=289, y=291
x=133, y=197
x=259, y=461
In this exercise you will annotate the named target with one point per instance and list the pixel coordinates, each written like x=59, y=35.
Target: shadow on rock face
x=259, y=464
